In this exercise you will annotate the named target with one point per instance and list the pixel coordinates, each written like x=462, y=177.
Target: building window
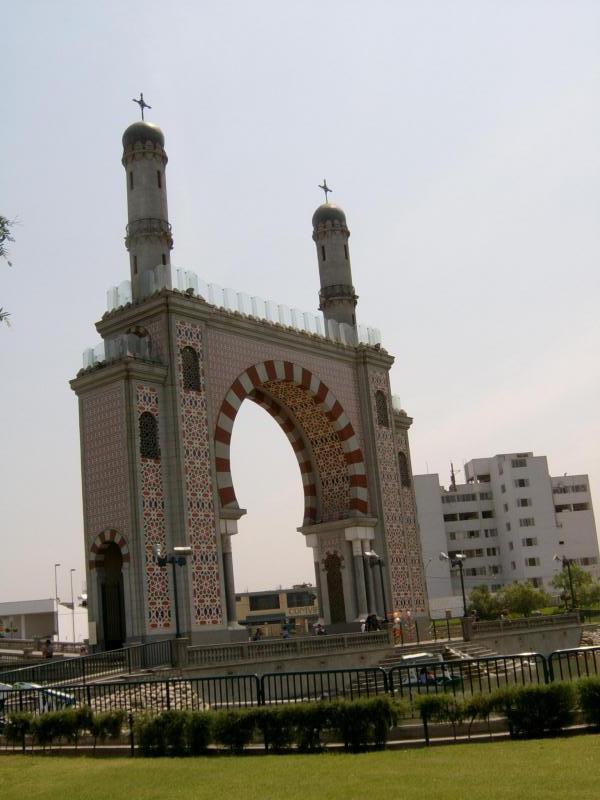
x=404, y=471
x=449, y=498
x=529, y=541
x=263, y=602
x=469, y=515
x=323, y=255
x=513, y=565
x=483, y=478
x=158, y=179
x=532, y=562
x=163, y=258
x=581, y=506
x=381, y=407
x=511, y=546
x=472, y=534
x=135, y=265
x=300, y=599
x=518, y=462
x=526, y=522
x=491, y=551
x=503, y=488
x=346, y=251
x=579, y=487
x=450, y=517
x=508, y=526
x=523, y=502
x=505, y=506
x=452, y=537
x=495, y=569
x=537, y=583
x=487, y=514
x=466, y=498
x=485, y=495
x=563, y=507
x=149, y=436
x=191, y=369
x=521, y=483
x=130, y=180
x=490, y=533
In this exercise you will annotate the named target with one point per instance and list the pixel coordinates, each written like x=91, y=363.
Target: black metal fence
x=471, y=676
x=90, y=667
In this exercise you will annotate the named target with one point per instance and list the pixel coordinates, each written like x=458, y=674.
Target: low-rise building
x=272, y=610
x=511, y=519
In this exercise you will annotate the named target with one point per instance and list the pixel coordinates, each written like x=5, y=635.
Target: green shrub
x=277, y=725
x=588, y=691
x=309, y=721
x=149, y=732
x=362, y=722
x=199, y=731
x=535, y=710
x=107, y=725
x=18, y=725
x=479, y=706
x=234, y=728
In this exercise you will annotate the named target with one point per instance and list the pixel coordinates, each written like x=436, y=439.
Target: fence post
x=168, y=683
x=448, y=628
x=549, y=668
x=131, y=736
x=260, y=690
x=426, y=729
x=390, y=681
x=83, y=669
x=417, y=631
x=128, y=652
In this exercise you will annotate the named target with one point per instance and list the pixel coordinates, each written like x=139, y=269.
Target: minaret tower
x=148, y=240
x=330, y=234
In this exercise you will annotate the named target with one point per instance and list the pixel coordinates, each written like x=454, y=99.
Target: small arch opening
x=323, y=253
x=404, y=470
x=190, y=369
x=149, y=447
x=381, y=407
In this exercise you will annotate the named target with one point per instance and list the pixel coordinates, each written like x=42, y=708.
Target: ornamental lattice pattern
x=326, y=447
x=404, y=555
x=105, y=482
x=200, y=512
x=158, y=599
x=229, y=354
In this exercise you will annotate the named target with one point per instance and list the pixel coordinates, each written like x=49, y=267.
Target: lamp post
x=72, y=606
x=375, y=559
x=566, y=562
x=178, y=557
x=56, y=566
x=457, y=560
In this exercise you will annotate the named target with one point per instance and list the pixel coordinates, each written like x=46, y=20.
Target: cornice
x=109, y=372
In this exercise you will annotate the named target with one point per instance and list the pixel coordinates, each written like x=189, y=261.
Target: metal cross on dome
x=325, y=188
x=142, y=104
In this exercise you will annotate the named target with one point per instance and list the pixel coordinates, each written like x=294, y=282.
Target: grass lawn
x=536, y=770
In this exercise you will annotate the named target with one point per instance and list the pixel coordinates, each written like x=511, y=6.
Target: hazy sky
x=462, y=139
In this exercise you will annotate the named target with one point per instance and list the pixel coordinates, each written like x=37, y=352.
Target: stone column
x=372, y=597
x=359, y=578
x=228, y=529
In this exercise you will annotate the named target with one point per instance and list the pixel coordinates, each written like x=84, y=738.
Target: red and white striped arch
x=100, y=544
x=248, y=385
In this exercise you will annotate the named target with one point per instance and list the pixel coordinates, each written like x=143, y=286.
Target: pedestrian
x=47, y=649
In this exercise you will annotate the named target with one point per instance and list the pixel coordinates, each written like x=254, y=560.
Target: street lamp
x=56, y=601
x=375, y=559
x=178, y=557
x=566, y=562
x=457, y=560
x=72, y=606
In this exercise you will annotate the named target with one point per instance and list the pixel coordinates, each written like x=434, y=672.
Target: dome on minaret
x=143, y=132
x=328, y=212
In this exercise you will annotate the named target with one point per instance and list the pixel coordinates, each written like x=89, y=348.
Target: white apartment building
x=510, y=518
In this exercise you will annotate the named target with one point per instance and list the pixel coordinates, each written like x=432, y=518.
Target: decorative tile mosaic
x=326, y=447
x=200, y=512
x=158, y=599
x=404, y=553
x=105, y=478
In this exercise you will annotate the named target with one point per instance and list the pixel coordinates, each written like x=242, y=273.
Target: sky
x=462, y=140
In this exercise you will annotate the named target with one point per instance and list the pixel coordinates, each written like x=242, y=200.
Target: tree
x=585, y=588
x=484, y=603
x=5, y=237
x=523, y=598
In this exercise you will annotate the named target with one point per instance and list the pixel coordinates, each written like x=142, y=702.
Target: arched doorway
x=112, y=604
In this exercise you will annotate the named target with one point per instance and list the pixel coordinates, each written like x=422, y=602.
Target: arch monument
x=158, y=399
